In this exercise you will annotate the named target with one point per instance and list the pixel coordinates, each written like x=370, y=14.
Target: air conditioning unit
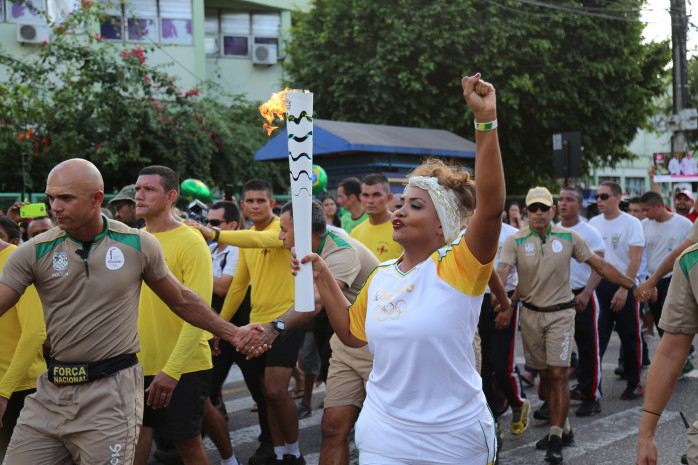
x=32, y=33
x=264, y=54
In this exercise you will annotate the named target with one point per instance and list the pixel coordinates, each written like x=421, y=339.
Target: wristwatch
x=279, y=326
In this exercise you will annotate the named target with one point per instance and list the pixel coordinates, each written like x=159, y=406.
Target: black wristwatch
x=279, y=326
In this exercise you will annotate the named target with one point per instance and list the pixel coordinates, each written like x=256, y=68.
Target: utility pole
x=679, y=30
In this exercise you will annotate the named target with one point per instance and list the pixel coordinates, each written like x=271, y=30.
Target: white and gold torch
x=299, y=114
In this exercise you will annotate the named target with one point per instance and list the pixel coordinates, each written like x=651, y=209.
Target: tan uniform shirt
x=91, y=305
x=680, y=311
x=544, y=263
x=349, y=261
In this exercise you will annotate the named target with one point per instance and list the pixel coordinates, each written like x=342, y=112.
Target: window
x=2, y=11
x=175, y=22
x=165, y=21
x=112, y=27
x=635, y=186
x=232, y=33
x=142, y=21
x=23, y=13
x=235, y=33
x=212, y=30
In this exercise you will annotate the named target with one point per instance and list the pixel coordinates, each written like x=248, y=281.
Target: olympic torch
x=299, y=114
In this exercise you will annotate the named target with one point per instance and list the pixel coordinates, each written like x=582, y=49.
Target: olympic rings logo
x=390, y=310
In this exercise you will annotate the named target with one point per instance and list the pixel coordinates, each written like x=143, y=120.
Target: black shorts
x=283, y=352
x=182, y=418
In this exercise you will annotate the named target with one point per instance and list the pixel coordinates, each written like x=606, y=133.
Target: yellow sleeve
x=357, y=310
x=29, y=350
x=197, y=275
x=237, y=290
x=251, y=239
x=457, y=266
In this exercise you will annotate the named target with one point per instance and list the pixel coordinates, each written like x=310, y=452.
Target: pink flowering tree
x=81, y=96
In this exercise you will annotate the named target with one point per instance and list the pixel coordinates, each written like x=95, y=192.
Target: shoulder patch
x=126, y=238
x=43, y=248
x=687, y=261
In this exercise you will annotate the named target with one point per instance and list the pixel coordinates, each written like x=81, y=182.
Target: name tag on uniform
x=68, y=374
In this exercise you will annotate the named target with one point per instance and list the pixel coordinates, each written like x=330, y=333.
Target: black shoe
x=543, y=413
x=684, y=459
x=632, y=392
x=589, y=408
x=554, y=454
x=576, y=393
x=264, y=455
x=567, y=441
x=290, y=459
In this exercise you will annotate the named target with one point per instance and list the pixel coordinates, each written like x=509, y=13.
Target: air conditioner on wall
x=264, y=54
x=32, y=33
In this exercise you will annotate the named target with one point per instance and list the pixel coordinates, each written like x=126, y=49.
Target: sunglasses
x=602, y=196
x=214, y=223
x=538, y=206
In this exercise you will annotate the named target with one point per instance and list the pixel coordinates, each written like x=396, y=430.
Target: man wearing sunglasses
x=625, y=241
x=542, y=252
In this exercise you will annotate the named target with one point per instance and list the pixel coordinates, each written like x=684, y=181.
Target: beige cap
x=539, y=195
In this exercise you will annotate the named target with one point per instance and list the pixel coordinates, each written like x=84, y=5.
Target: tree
x=400, y=63
x=81, y=96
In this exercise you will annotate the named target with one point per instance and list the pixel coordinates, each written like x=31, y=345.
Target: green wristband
x=486, y=126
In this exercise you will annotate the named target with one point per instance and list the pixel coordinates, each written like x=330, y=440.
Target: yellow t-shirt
x=23, y=331
x=378, y=239
x=265, y=264
x=168, y=343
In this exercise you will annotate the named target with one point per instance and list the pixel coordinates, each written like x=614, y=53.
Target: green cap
x=127, y=193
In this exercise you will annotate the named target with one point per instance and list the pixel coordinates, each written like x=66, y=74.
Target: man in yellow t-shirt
x=377, y=232
x=263, y=264
x=21, y=360
x=175, y=356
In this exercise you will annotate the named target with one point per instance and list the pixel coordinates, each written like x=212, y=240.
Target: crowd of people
x=118, y=334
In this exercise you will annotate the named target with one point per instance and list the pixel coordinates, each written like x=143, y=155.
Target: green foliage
x=400, y=63
x=81, y=96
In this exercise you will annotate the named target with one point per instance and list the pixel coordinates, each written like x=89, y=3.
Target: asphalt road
x=606, y=438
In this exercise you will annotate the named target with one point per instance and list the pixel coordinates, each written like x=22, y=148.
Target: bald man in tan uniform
x=88, y=273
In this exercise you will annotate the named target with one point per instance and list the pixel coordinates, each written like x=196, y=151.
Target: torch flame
x=274, y=108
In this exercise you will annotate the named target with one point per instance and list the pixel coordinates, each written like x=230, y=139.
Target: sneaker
x=543, y=413
x=290, y=459
x=632, y=392
x=520, y=417
x=554, y=454
x=567, y=441
x=688, y=366
x=303, y=411
x=528, y=378
x=576, y=393
x=264, y=455
x=589, y=408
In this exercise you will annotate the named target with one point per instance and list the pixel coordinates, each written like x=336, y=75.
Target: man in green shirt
x=349, y=198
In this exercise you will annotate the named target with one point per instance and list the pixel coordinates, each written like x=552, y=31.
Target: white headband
x=445, y=202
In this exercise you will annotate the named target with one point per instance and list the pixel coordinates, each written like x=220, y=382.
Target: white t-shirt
x=225, y=260
x=580, y=272
x=513, y=278
x=618, y=235
x=420, y=325
x=662, y=238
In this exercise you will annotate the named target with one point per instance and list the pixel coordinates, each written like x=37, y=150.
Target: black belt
x=77, y=373
x=554, y=308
